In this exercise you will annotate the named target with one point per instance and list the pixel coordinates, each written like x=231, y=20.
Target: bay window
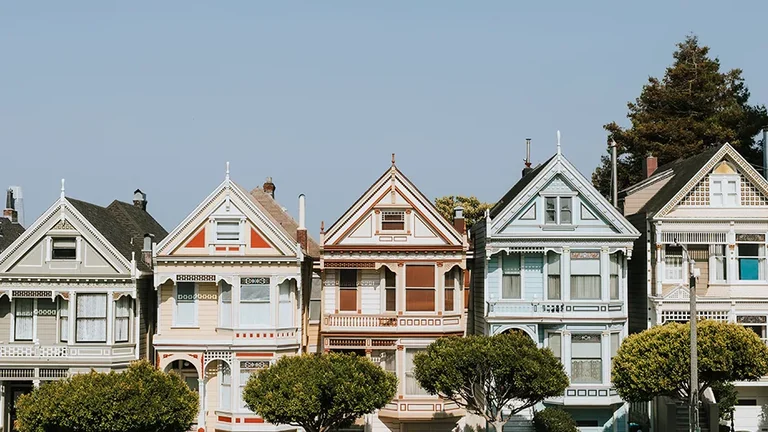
x=122, y=319
x=553, y=276
x=186, y=304
x=315, y=299
x=63, y=320
x=248, y=368
x=390, y=290
x=719, y=262
x=285, y=305
x=386, y=359
x=751, y=258
x=225, y=305
x=615, y=275
x=585, y=275
x=23, y=319
x=91, y=319
x=348, y=290
x=511, y=279
x=255, y=302
x=450, y=290
x=586, y=359
x=412, y=387
x=225, y=386
x=420, y=288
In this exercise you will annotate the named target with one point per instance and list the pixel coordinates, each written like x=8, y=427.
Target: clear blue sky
x=159, y=95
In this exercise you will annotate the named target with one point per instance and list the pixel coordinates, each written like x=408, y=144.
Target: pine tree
x=693, y=107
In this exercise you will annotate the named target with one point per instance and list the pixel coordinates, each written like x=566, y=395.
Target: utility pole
x=614, y=175
x=694, y=384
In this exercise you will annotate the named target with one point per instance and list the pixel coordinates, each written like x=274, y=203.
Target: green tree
x=726, y=396
x=140, y=399
x=474, y=209
x=484, y=374
x=694, y=106
x=319, y=392
x=552, y=419
x=656, y=362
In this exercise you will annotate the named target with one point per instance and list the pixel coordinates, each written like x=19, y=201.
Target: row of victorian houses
x=240, y=283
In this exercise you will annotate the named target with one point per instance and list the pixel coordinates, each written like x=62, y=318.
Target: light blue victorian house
x=550, y=260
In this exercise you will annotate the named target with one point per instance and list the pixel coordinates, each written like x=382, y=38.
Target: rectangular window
x=386, y=359
x=553, y=276
x=420, y=288
x=348, y=290
x=585, y=276
x=511, y=280
x=615, y=343
x=248, y=368
x=555, y=344
x=673, y=263
x=450, y=290
x=24, y=311
x=615, y=263
x=390, y=288
x=225, y=388
x=586, y=362
x=550, y=207
x=225, y=305
x=228, y=231
x=63, y=248
x=719, y=262
x=725, y=192
x=412, y=386
x=63, y=320
x=751, y=256
x=91, y=319
x=393, y=220
x=186, y=304
x=565, y=211
x=123, y=319
x=315, y=299
x=255, y=303
x=285, y=305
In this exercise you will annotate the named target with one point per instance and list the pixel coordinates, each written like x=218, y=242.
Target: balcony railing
x=391, y=323
x=555, y=309
x=25, y=351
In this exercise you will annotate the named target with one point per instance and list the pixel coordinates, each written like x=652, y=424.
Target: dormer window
x=63, y=248
x=228, y=231
x=724, y=186
x=393, y=220
x=559, y=210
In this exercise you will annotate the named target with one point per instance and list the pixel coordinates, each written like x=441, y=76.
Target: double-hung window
x=553, y=276
x=225, y=386
x=91, y=320
x=585, y=276
x=558, y=210
x=555, y=344
x=63, y=248
x=724, y=190
x=348, y=290
x=412, y=387
x=255, y=303
x=63, y=320
x=186, y=304
x=123, y=319
x=751, y=261
x=315, y=299
x=615, y=275
x=511, y=280
x=719, y=261
x=228, y=231
x=285, y=305
x=586, y=359
x=225, y=305
x=393, y=220
x=450, y=290
x=24, y=315
x=420, y=288
x=673, y=263
x=390, y=290
x=248, y=368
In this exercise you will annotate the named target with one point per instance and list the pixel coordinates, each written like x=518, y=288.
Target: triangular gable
x=258, y=235
x=393, y=192
x=31, y=252
x=696, y=192
x=678, y=293
x=558, y=175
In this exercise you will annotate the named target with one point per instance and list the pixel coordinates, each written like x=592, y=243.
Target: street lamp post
x=694, y=384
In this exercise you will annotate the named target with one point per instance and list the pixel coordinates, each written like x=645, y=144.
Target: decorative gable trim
x=696, y=190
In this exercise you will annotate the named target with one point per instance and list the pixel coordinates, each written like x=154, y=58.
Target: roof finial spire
x=62, y=188
x=558, y=142
x=393, y=158
x=227, y=176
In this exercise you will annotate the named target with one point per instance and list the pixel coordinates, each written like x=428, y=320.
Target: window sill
x=175, y=327
x=555, y=227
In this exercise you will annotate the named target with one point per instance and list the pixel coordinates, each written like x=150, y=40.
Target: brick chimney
x=269, y=187
x=650, y=164
x=140, y=199
x=301, y=231
x=458, y=220
x=10, y=207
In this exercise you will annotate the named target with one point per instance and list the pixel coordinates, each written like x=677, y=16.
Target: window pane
x=64, y=248
x=185, y=304
x=390, y=278
x=227, y=231
x=63, y=320
x=391, y=300
x=348, y=278
x=586, y=364
x=386, y=359
x=412, y=386
x=565, y=210
x=225, y=305
x=614, y=344
x=585, y=287
x=285, y=307
x=254, y=293
x=91, y=320
x=553, y=276
x=550, y=214
x=420, y=300
x=122, y=319
x=255, y=314
x=393, y=220
x=420, y=276
x=24, y=311
x=510, y=287
x=314, y=310
x=555, y=344
x=226, y=386
x=449, y=299
x=348, y=299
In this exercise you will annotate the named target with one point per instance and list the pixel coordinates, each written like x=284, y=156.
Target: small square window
x=64, y=248
x=228, y=231
x=393, y=220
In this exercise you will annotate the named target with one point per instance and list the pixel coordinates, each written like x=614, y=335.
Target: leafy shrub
x=553, y=420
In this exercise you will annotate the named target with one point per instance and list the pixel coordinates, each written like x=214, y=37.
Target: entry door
x=15, y=390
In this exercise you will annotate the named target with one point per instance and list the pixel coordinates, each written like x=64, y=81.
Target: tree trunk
x=498, y=425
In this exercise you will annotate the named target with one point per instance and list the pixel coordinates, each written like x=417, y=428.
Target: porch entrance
x=187, y=372
x=12, y=392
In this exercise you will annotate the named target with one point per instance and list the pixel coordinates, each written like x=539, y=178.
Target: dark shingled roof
x=9, y=232
x=517, y=188
x=281, y=218
x=123, y=225
x=683, y=171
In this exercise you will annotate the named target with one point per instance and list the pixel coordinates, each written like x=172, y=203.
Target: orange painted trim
x=254, y=420
x=394, y=248
x=198, y=241
x=225, y=419
x=221, y=248
x=353, y=334
x=257, y=241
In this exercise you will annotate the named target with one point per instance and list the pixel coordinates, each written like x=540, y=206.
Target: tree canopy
x=140, y=399
x=474, y=209
x=694, y=106
x=656, y=362
x=319, y=392
x=484, y=374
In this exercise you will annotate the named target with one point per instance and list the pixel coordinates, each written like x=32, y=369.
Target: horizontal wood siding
x=46, y=321
x=313, y=337
x=207, y=312
x=533, y=274
x=476, y=319
x=370, y=292
x=494, y=278
x=5, y=319
x=329, y=292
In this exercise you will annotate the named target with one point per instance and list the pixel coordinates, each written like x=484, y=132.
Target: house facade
x=550, y=261
x=711, y=208
x=392, y=270
x=74, y=295
x=234, y=294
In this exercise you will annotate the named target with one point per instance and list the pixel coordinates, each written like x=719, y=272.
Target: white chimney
x=302, y=212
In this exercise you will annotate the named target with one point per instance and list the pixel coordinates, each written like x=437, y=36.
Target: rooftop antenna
x=558, y=142
x=527, y=152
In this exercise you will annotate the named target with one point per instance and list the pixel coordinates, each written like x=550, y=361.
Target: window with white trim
x=554, y=291
x=23, y=316
x=390, y=290
x=554, y=341
x=63, y=320
x=248, y=368
x=673, y=263
x=63, y=248
x=615, y=275
x=724, y=190
x=227, y=231
x=585, y=276
x=255, y=302
x=558, y=210
x=719, y=270
x=225, y=386
x=751, y=260
x=315, y=298
x=285, y=305
x=123, y=319
x=387, y=359
x=586, y=359
x=511, y=280
x=91, y=319
x=412, y=386
x=393, y=220
x=225, y=305
x=186, y=304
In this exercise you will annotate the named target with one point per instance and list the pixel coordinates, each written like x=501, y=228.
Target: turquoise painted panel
x=494, y=276
x=533, y=276
x=586, y=418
